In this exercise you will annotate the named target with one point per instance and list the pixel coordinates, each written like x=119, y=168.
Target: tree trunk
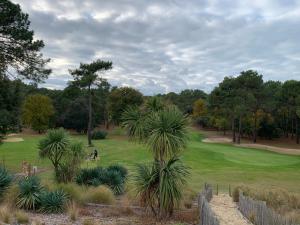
x=255, y=129
x=286, y=127
x=233, y=131
x=240, y=130
x=297, y=130
x=292, y=129
x=89, y=132
x=224, y=131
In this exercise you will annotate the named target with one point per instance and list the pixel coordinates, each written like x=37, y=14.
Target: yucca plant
x=115, y=181
x=164, y=132
x=53, y=202
x=30, y=193
x=5, y=180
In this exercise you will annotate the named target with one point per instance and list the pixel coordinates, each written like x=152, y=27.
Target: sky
x=160, y=46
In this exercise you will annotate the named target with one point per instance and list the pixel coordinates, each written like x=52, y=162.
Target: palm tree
x=164, y=132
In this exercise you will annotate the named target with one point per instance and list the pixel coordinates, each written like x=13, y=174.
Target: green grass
x=220, y=164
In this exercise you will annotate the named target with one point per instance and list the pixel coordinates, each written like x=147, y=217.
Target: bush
x=121, y=169
x=53, y=201
x=98, y=135
x=30, y=193
x=114, y=177
x=5, y=180
x=99, y=195
x=73, y=191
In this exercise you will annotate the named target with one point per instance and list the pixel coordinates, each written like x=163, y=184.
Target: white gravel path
x=227, y=211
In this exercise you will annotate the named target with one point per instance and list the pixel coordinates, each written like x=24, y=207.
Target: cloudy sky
x=160, y=46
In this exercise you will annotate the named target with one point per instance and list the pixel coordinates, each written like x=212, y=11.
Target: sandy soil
x=217, y=140
x=290, y=151
x=13, y=139
x=227, y=211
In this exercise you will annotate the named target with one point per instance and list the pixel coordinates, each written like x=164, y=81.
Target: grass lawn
x=213, y=163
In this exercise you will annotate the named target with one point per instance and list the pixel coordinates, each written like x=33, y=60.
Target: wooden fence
x=207, y=216
x=259, y=214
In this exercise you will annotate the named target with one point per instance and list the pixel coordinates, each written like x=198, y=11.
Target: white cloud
x=160, y=46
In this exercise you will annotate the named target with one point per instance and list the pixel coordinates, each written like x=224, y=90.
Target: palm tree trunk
x=89, y=133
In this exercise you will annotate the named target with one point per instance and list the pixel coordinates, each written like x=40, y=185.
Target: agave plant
x=53, y=202
x=30, y=193
x=5, y=180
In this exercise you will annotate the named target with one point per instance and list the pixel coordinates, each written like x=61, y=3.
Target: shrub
x=98, y=135
x=115, y=181
x=5, y=180
x=99, y=195
x=87, y=176
x=21, y=217
x=73, y=191
x=30, y=193
x=113, y=176
x=53, y=201
x=121, y=169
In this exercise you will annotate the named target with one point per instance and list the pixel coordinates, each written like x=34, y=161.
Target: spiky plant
x=53, y=202
x=53, y=146
x=5, y=180
x=167, y=133
x=30, y=193
x=134, y=122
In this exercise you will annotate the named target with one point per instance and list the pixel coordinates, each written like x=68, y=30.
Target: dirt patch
x=217, y=140
x=289, y=151
x=13, y=139
x=227, y=211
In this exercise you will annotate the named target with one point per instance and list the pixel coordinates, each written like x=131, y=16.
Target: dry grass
x=21, y=217
x=5, y=214
x=99, y=195
x=280, y=200
x=73, y=211
x=74, y=191
x=10, y=196
x=88, y=222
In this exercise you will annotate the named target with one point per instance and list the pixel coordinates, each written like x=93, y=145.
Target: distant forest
x=245, y=105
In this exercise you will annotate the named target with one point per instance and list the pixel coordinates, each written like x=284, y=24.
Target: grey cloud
x=161, y=46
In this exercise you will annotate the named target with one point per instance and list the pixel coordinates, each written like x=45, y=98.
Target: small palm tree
x=54, y=146
x=164, y=132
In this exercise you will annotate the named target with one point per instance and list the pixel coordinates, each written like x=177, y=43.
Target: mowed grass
x=220, y=164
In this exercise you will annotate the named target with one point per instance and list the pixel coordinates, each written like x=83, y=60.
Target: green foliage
x=53, y=202
x=98, y=135
x=85, y=77
x=65, y=156
x=113, y=176
x=122, y=98
x=167, y=132
x=161, y=184
x=5, y=180
x=36, y=112
x=19, y=49
x=29, y=197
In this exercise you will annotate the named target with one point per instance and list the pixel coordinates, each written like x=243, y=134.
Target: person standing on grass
x=95, y=154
